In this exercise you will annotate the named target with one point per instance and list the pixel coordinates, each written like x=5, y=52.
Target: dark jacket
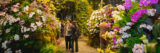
x=75, y=32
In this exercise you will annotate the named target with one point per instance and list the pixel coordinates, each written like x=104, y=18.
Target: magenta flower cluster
x=116, y=28
x=147, y=2
x=128, y=4
x=136, y=16
x=114, y=40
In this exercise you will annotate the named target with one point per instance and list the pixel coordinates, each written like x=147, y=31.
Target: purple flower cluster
x=128, y=4
x=147, y=2
x=114, y=40
x=116, y=28
x=138, y=15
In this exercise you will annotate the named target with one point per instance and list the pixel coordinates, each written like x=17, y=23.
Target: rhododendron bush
x=131, y=26
x=27, y=24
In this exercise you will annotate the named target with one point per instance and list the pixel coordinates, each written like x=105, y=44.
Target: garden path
x=83, y=47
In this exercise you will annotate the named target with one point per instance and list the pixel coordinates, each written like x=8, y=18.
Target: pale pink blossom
x=31, y=14
x=121, y=7
x=138, y=48
x=16, y=37
x=2, y=13
x=26, y=8
x=18, y=51
x=4, y=44
x=8, y=30
x=15, y=8
x=151, y=12
x=22, y=22
x=26, y=36
x=39, y=23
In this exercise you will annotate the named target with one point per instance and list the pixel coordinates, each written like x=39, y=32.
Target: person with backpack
x=75, y=35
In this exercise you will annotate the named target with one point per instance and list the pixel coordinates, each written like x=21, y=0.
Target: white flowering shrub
x=25, y=24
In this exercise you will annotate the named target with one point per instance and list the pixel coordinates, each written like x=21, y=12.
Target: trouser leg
x=72, y=46
x=76, y=45
x=70, y=43
x=66, y=38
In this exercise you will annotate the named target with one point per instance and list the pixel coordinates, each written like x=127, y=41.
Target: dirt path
x=83, y=47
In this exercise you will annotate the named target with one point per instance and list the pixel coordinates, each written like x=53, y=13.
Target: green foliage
x=83, y=11
x=156, y=30
x=130, y=42
x=50, y=48
x=124, y=20
x=126, y=17
x=80, y=11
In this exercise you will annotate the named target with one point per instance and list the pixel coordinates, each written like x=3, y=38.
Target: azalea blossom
x=39, y=11
x=58, y=41
x=46, y=8
x=149, y=27
x=26, y=36
x=8, y=30
x=16, y=37
x=151, y=12
x=2, y=13
x=22, y=22
x=115, y=12
x=4, y=44
x=117, y=17
x=142, y=25
x=18, y=51
x=5, y=22
x=24, y=29
x=11, y=19
x=5, y=9
x=125, y=28
x=129, y=23
x=4, y=3
x=138, y=48
x=120, y=40
x=15, y=8
x=34, y=27
x=108, y=25
x=43, y=18
x=111, y=33
x=39, y=23
x=8, y=50
x=114, y=40
x=126, y=35
x=121, y=7
x=26, y=8
x=31, y=14
x=116, y=28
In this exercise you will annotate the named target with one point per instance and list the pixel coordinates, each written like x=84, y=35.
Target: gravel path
x=83, y=47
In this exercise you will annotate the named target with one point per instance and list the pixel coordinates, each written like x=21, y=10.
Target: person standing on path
x=75, y=36
x=68, y=33
x=103, y=29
